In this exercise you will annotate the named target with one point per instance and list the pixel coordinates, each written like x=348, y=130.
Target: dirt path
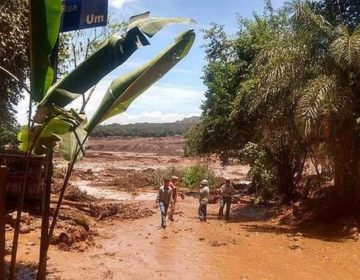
x=188, y=249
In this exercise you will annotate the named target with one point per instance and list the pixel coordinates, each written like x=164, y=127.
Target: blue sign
x=81, y=14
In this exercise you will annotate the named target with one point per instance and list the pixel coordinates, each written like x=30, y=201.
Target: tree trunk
x=347, y=173
x=286, y=176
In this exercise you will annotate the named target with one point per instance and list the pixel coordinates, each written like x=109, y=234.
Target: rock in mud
x=63, y=247
x=24, y=218
x=24, y=229
x=201, y=239
x=8, y=248
x=8, y=228
x=353, y=230
x=355, y=236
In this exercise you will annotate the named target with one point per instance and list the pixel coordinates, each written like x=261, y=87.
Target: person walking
x=173, y=183
x=163, y=200
x=203, y=200
x=226, y=192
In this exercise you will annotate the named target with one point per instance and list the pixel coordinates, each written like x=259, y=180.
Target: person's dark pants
x=226, y=200
x=202, y=212
x=163, y=211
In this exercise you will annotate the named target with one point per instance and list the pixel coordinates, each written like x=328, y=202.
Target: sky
x=180, y=92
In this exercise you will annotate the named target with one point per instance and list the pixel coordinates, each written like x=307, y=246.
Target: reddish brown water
x=188, y=249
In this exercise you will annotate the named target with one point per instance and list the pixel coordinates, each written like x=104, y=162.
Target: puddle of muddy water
x=111, y=194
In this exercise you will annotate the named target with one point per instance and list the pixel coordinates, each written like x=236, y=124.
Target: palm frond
x=307, y=19
x=277, y=70
x=346, y=48
x=320, y=99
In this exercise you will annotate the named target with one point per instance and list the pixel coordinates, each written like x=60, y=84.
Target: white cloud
x=119, y=3
x=172, y=101
x=160, y=103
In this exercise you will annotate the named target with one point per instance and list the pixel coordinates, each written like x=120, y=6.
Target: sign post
x=81, y=14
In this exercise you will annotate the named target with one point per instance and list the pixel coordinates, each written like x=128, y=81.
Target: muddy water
x=111, y=194
x=188, y=249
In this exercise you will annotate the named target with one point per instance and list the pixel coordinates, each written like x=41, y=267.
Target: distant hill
x=145, y=129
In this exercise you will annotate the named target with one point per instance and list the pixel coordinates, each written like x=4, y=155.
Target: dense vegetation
x=145, y=129
x=283, y=93
x=13, y=58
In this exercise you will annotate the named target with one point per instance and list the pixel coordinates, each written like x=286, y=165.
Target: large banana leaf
x=125, y=89
x=112, y=53
x=43, y=135
x=150, y=26
x=72, y=144
x=44, y=30
x=49, y=132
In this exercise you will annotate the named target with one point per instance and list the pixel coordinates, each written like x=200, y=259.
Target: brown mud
x=131, y=244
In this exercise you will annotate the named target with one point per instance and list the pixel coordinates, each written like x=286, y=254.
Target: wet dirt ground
x=244, y=248
x=250, y=246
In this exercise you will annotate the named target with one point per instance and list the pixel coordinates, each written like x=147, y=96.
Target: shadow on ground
x=258, y=218
x=24, y=271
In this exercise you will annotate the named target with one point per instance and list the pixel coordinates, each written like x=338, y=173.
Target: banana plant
x=112, y=53
x=124, y=90
x=53, y=124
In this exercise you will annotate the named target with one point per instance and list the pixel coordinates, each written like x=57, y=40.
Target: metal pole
x=3, y=175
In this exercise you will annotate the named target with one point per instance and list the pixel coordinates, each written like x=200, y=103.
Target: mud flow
x=111, y=196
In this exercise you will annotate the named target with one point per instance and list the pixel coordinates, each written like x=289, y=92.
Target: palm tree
x=307, y=81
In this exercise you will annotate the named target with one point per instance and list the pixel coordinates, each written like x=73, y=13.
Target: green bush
x=159, y=175
x=192, y=176
x=189, y=177
x=262, y=171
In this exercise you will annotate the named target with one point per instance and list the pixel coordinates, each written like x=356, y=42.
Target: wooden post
x=41, y=275
x=3, y=175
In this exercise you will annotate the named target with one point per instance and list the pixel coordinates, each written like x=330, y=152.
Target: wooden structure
x=3, y=175
x=15, y=163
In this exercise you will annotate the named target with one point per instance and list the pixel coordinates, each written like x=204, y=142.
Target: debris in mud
x=217, y=243
x=102, y=211
x=128, y=179
x=201, y=239
x=25, y=229
x=355, y=236
x=25, y=218
x=27, y=222
x=120, y=210
x=72, y=193
x=73, y=237
x=295, y=247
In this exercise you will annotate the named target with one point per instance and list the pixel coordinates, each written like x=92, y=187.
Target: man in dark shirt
x=163, y=199
x=226, y=191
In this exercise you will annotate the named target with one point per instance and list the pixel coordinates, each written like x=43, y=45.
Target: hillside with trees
x=283, y=96
x=145, y=129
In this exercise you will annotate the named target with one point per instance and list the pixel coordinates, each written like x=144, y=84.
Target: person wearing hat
x=173, y=182
x=163, y=200
x=203, y=200
x=226, y=191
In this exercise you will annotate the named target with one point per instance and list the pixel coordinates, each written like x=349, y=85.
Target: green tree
x=337, y=12
x=13, y=59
